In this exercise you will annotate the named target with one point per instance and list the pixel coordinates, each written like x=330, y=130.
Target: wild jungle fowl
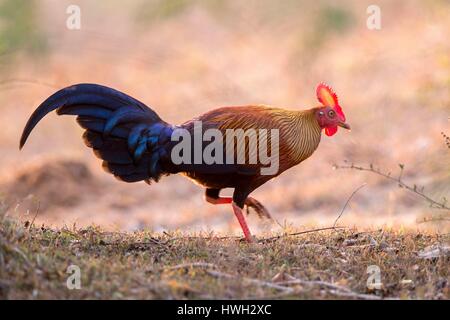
x=135, y=144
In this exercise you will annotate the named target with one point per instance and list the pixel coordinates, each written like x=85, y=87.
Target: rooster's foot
x=260, y=210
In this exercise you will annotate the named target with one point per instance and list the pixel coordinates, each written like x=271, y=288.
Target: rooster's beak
x=344, y=125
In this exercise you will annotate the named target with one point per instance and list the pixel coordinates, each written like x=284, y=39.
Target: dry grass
x=325, y=265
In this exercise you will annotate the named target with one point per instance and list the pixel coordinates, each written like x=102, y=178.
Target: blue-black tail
x=128, y=136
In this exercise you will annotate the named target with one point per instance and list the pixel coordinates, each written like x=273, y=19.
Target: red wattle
x=329, y=131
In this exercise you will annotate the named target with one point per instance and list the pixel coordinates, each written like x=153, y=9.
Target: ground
x=328, y=264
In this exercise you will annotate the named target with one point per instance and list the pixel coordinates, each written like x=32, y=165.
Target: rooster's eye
x=331, y=113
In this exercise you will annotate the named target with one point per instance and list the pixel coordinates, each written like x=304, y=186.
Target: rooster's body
x=299, y=137
x=135, y=144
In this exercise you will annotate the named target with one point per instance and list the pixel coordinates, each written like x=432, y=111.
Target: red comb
x=328, y=97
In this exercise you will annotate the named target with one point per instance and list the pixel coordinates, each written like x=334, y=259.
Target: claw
x=260, y=210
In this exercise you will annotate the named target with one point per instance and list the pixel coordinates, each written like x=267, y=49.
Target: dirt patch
x=50, y=184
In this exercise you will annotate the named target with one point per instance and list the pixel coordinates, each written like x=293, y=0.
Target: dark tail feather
x=130, y=137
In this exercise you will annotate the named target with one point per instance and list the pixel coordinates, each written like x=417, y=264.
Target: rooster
x=135, y=144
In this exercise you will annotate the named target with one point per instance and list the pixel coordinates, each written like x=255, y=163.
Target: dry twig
x=299, y=233
x=286, y=290
x=347, y=202
x=202, y=265
x=415, y=189
x=35, y=215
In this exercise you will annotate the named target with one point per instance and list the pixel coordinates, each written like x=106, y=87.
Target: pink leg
x=241, y=219
x=237, y=212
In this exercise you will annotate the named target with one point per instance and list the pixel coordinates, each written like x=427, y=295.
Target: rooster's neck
x=302, y=134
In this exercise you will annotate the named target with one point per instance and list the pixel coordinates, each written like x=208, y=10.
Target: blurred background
x=184, y=57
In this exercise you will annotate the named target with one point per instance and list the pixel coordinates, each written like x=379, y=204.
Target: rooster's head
x=329, y=115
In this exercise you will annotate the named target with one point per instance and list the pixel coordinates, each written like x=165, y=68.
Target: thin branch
x=299, y=233
x=203, y=265
x=285, y=290
x=319, y=229
x=334, y=289
x=355, y=295
x=199, y=238
x=257, y=282
x=134, y=245
x=240, y=238
x=35, y=215
x=415, y=189
x=347, y=202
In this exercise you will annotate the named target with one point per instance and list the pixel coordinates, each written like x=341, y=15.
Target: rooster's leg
x=219, y=200
x=212, y=196
x=238, y=212
x=239, y=198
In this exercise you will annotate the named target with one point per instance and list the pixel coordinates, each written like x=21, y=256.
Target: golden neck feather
x=302, y=133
